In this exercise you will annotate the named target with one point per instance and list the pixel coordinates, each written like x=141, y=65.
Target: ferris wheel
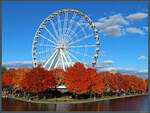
x=63, y=38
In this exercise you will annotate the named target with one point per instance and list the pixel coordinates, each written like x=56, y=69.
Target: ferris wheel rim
x=49, y=18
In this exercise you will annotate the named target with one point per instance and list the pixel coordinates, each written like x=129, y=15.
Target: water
x=138, y=103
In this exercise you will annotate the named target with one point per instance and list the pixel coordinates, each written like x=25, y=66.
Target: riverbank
x=72, y=101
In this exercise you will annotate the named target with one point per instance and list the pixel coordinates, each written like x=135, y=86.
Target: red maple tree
x=7, y=78
x=59, y=76
x=38, y=80
x=96, y=84
x=76, y=79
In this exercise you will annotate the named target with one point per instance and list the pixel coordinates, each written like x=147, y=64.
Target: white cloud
x=137, y=16
x=108, y=62
x=146, y=28
x=132, y=71
x=101, y=65
x=111, y=26
x=21, y=64
x=129, y=71
x=102, y=19
x=104, y=64
x=18, y=64
x=143, y=72
x=142, y=58
x=109, y=69
x=113, y=20
x=113, y=31
x=133, y=30
x=126, y=70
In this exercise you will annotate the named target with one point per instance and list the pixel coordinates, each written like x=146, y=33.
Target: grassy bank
x=66, y=100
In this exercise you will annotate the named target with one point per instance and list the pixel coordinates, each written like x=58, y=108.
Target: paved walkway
x=66, y=101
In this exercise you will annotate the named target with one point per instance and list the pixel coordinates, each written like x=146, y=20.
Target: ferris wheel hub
x=62, y=46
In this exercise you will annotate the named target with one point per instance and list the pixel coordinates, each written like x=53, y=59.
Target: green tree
x=12, y=69
x=4, y=69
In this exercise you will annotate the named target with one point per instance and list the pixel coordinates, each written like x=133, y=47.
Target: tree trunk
x=94, y=97
x=24, y=94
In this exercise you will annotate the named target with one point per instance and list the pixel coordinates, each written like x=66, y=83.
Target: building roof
x=62, y=86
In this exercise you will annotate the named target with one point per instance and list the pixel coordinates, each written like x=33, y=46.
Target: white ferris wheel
x=63, y=38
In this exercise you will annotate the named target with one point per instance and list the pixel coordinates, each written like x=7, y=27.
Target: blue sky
x=122, y=26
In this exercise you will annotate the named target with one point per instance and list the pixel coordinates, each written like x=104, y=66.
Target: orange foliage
x=133, y=83
x=96, y=84
x=118, y=82
x=108, y=80
x=59, y=76
x=19, y=77
x=37, y=80
x=7, y=78
x=141, y=84
x=80, y=80
x=76, y=79
x=146, y=81
x=125, y=82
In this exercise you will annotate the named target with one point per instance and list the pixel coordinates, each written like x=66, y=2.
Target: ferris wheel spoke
x=67, y=37
x=50, y=34
x=82, y=46
x=54, y=29
x=65, y=22
x=68, y=57
x=45, y=57
x=41, y=52
x=75, y=28
x=83, y=54
x=45, y=45
x=70, y=24
x=85, y=37
x=47, y=39
x=52, y=62
x=62, y=60
x=76, y=35
x=59, y=26
x=65, y=58
x=101, y=54
x=49, y=59
x=74, y=56
x=41, y=61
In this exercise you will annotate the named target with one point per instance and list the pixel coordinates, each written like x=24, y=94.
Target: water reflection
x=139, y=103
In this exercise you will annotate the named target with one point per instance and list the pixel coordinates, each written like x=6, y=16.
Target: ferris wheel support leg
x=53, y=60
x=49, y=59
x=62, y=60
x=65, y=58
x=57, y=61
x=68, y=57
